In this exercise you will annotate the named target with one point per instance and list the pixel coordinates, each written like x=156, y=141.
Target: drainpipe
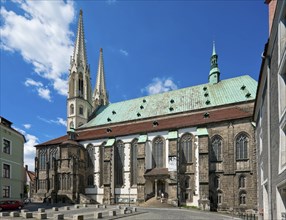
x=270, y=208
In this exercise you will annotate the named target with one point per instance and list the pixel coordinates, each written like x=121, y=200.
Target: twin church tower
x=81, y=102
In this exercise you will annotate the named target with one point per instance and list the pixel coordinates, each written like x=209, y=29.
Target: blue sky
x=148, y=47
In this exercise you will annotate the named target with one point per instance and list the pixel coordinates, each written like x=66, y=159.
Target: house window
x=81, y=110
x=186, y=149
x=282, y=91
x=241, y=182
x=242, y=198
x=71, y=109
x=6, y=191
x=158, y=152
x=216, y=148
x=90, y=180
x=6, y=170
x=119, y=163
x=134, y=162
x=90, y=156
x=6, y=146
x=241, y=147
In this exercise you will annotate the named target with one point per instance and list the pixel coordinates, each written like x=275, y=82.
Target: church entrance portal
x=159, y=188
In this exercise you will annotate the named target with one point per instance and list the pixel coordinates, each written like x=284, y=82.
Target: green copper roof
x=142, y=139
x=172, y=135
x=203, y=96
x=202, y=131
x=110, y=142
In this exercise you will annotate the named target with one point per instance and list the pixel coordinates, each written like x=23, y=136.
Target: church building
x=195, y=145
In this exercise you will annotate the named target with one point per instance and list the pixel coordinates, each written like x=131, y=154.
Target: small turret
x=214, y=76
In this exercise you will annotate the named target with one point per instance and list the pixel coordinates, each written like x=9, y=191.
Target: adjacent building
x=195, y=145
x=270, y=117
x=11, y=162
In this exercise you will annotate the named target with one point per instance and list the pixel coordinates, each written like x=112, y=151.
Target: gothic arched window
x=71, y=109
x=134, y=162
x=242, y=198
x=158, y=152
x=186, y=149
x=53, y=156
x=42, y=159
x=216, y=148
x=90, y=180
x=80, y=85
x=217, y=182
x=101, y=163
x=241, y=144
x=71, y=125
x=119, y=163
x=90, y=155
x=219, y=197
x=81, y=110
x=241, y=181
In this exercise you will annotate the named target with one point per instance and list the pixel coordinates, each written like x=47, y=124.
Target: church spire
x=79, y=54
x=214, y=72
x=79, y=102
x=100, y=96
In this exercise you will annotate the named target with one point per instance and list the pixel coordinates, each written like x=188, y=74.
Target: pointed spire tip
x=100, y=50
x=214, y=48
x=80, y=12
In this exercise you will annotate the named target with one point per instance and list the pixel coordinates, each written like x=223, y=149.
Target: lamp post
x=129, y=195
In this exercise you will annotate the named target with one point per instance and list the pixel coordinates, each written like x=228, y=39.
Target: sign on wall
x=172, y=163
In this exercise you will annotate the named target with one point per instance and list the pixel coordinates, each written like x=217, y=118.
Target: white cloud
x=44, y=93
x=29, y=149
x=59, y=121
x=42, y=36
x=31, y=82
x=159, y=86
x=124, y=52
x=27, y=126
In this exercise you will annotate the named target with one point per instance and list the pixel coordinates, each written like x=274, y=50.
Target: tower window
x=71, y=125
x=81, y=110
x=80, y=86
x=71, y=109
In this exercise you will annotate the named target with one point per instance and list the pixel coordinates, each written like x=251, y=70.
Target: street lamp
x=129, y=195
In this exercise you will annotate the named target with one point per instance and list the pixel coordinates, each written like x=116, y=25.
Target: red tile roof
x=167, y=123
